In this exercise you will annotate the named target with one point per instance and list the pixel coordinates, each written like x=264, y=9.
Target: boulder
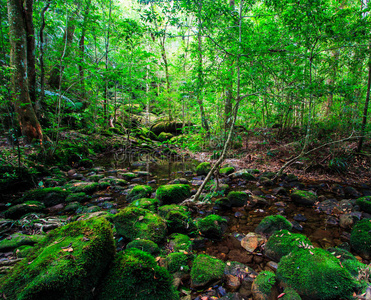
x=304, y=198
x=146, y=203
x=226, y=170
x=144, y=245
x=364, y=204
x=133, y=223
x=138, y=192
x=173, y=193
x=245, y=174
x=360, y=238
x=136, y=275
x=206, y=270
x=264, y=286
x=203, y=168
x=67, y=264
x=17, y=211
x=212, y=226
x=270, y=224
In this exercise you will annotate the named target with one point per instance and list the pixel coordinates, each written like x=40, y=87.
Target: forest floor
x=338, y=163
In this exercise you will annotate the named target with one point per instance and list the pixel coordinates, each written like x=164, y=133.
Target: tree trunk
x=105, y=104
x=82, y=49
x=27, y=119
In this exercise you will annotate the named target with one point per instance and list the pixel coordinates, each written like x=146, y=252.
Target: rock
x=72, y=207
x=55, y=208
x=151, y=204
x=203, y=168
x=67, y=264
x=114, y=181
x=283, y=242
x=87, y=187
x=360, y=238
x=166, y=126
x=180, y=181
x=19, y=210
x=226, y=170
x=252, y=241
x=173, y=193
x=280, y=191
x=180, y=222
x=232, y=296
x=270, y=224
x=304, y=198
x=18, y=239
x=290, y=294
x=243, y=174
x=180, y=243
x=138, y=192
x=77, y=197
x=265, y=181
x=352, y=192
x=291, y=178
x=237, y=199
x=133, y=223
x=48, y=196
x=127, y=176
x=206, y=270
x=272, y=266
x=346, y=221
x=328, y=206
x=300, y=218
x=212, y=226
x=364, y=204
x=315, y=274
x=237, y=275
x=263, y=287
x=144, y=245
x=177, y=262
x=136, y=275
x=71, y=173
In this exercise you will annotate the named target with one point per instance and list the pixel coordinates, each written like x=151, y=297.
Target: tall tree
x=18, y=29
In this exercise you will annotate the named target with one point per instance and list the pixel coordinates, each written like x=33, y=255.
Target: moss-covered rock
x=203, y=168
x=133, y=223
x=180, y=242
x=237, y=199
x=173, y=193
x=166, y=126
x=177, y=262
x=304, y=198
x=243, y=174
x=114, y=181
x=290, y=294
x=365, y=204
x=17, y=211
x=263, y=287
x=23, y=251
x=18, y=239
x=283, y=242
x=67, y=264
x=360, y=238
x=315, y=274
x=146, y=203
x=138, y=192
x=78, y=197
x=179, y=222
x=136, y=275
x=128, y=175
x=163, y=210
x=86, y=163
x=270, y=224
x=226, y=170
x=212, y=226
x=206, y=270
x=144, y=245
x=87, y=187
x=163, y=136
x=49, y=196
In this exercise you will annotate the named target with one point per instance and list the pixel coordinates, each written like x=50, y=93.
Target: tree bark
x=30, y=126
x=82, y=49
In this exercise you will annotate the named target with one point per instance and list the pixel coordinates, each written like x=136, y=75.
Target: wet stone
x=328, y=206
x=332, y=221
x=296, y=226
x=300, y=218
x=352, y=192
x=280, y=191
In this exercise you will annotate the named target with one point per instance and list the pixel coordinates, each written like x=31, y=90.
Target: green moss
x=304, y=197
x=17, y=211
x=78, y=197
x=212, y=226
x=270, y=224
x=177, y=262
x=365, y=203
x=67, y=264
x=146, y=203
x=23, y=251
x=179, y=222
x=226, y=171
x=206, y=269
x=18, y=239
x=283, y=242
x=136, y=275
x=173, y=193
x=290, y=294
x=144, y=245
x=133, y=223
x=180, y=242
x=315, y=274
x=237, y=199
x=128, y=176
x=265, y=281
x=163, y=136
x=360, y=238
x=244, y=174
x=138, y=192
x=203, y=168
x=165, y=209
x=87, y=187
x=114, y=181
x=48, y=196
